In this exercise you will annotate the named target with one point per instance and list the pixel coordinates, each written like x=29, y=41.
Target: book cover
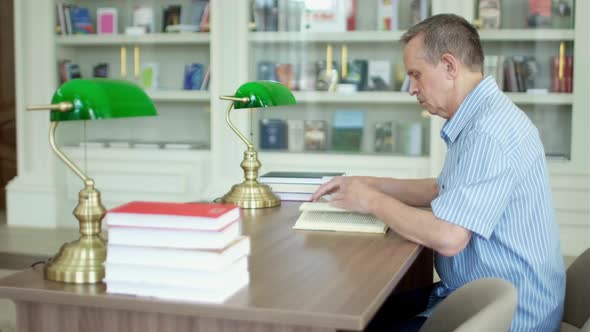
x=298, y=177
x=81, y=21
x=199, y=216
x=324, y=217
x=166, y=237
x=295, y=132
x=265, y=70
x=489, y=14
x=384, y=15
x=143, y=16
x=150, y=75
x=171, y=15
x=284, y=73
x=193, y=76
x=209, y=260
x=347, y=130
x=106, y=21
x=379, y=75
x=273, y=134
x=325, y=16
x=315, y=135
x=539, y=14
x=384, y=137
x=100, y=70
x=410, y=138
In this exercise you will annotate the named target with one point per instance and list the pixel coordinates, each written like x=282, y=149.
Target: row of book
x=196, y=75
x=73, y=19
x=520, y=73
x=359, y=75
x=346, y=135
x=180, y=251
x=329, y=16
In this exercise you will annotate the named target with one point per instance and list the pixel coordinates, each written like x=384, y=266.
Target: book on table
x=188, y=291
x=163, y=257
x=189, y=276
x=196, y=216
x=298, y=177
x=174, y=237
x=324, y=217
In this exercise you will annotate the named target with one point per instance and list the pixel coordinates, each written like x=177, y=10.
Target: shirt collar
x=453, y=126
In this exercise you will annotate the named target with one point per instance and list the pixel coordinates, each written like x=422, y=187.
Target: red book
x=189, y=216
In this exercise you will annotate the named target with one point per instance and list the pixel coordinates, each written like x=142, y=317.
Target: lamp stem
x=88, y=181
x=231, y=125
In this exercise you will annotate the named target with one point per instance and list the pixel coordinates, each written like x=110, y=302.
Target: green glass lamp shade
x=263, y=94
x=101, y=98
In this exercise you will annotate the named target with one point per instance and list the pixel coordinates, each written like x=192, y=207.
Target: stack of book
x=296, y=186
x=180, y=251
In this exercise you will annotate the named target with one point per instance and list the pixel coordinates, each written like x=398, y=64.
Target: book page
x=322, y=216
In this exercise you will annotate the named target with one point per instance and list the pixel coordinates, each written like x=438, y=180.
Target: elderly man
x=492, y=214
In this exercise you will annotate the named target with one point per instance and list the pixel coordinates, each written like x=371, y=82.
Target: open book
x=323, y=216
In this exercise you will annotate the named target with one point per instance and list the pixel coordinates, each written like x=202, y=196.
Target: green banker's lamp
x=81, y=261
x=250, y=194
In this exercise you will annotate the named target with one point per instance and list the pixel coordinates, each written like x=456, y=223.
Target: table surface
x=322, y=279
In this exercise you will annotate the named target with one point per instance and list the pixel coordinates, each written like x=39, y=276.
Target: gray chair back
x=482, y=305
x=576, y=314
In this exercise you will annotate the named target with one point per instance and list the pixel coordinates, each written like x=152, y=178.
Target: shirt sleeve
x=478, y=186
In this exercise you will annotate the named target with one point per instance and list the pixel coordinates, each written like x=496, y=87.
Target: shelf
x=171, y=155
x=147, y=39
x=179, y=95
x=527, y=35
x=326, y=37
x=382, y=97
x=376, y=97
x=541, y=99
x=394, y=36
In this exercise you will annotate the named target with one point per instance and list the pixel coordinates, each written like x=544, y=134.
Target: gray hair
x=448, y=33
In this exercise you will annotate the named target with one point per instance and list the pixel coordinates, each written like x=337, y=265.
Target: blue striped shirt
x=495, y=183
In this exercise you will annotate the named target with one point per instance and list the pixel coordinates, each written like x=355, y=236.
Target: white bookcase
x=232, y=51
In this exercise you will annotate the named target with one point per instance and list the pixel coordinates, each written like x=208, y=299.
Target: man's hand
x=348, y=192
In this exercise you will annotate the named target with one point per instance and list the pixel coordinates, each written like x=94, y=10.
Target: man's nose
x=413, y=89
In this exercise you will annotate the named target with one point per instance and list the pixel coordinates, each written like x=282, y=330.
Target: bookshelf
x=232, y=50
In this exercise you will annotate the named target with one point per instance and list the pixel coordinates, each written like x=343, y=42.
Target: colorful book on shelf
x=379, y=75
x=385, y=141
x=347, y=130
x=324, y=217
x=298, y=177
x=81, y=21
x=194, y=74
x=168, y=215
x=210, y=260
x=106, y=21
x=273, y=134
x=315, y=135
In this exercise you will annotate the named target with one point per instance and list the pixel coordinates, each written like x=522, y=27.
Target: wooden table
x=299, y=281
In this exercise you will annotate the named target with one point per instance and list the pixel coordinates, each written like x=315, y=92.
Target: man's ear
x=451, y=65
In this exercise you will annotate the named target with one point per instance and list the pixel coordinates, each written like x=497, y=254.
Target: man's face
x=429, y=83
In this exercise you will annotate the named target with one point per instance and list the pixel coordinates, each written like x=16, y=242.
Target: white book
x=324, y=217
x=173, y=238
x=210, y=260
x=295, y=131
x=298, y=177
x=295, y=197
x=294, y=188
x=194, y=294
x=184, y=277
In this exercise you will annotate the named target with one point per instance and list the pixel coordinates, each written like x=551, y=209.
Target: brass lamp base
x=251, y=194
x=79, y=262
